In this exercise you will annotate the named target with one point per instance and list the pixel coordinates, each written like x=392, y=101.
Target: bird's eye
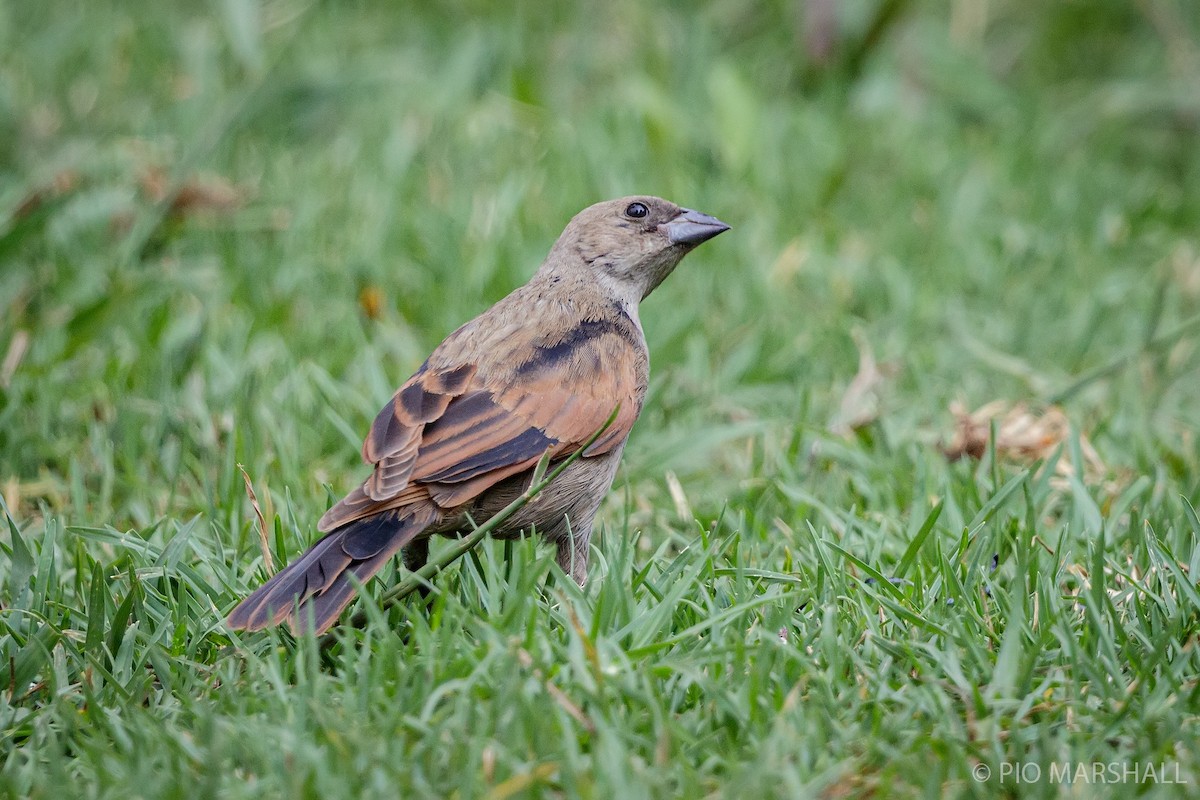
x=636, y=210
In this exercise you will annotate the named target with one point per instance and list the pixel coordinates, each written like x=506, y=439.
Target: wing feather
x=450, y=433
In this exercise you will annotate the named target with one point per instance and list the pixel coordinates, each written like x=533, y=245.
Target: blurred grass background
x=228, y=230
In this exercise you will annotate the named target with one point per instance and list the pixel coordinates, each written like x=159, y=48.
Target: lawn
x=228, y=231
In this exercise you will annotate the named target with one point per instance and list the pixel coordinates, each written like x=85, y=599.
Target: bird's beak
x=692, y=228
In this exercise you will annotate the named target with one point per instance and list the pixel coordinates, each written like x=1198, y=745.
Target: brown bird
x=541, y=370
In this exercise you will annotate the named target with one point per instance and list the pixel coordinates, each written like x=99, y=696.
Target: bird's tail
x=317, y=586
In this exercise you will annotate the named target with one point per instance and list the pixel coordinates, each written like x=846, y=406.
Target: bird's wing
x=450, y=433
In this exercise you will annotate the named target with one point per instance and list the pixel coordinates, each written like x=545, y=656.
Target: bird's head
x=631, y=244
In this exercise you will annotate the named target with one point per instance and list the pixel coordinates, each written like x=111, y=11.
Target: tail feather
x=276, y=599
x=317, y=586
x=327, y=607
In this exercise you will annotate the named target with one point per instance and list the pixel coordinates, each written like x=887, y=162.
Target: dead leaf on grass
x=61, y=184
x=860, y=402
x=200, y=194
x=1023, y=435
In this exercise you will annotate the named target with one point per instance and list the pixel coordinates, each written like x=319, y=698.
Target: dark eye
x=636, y=210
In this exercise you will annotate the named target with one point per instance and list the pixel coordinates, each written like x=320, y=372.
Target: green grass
x=1004, y=206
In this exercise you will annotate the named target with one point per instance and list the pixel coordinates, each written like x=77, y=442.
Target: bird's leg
x=573, y=552
x=415, y=555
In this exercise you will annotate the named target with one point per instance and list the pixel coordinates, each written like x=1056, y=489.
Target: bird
x=539, y=372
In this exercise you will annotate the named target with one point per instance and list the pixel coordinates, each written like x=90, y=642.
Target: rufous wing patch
x=454, y=433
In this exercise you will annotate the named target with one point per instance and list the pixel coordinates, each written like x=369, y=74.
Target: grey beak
x=692, y=228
